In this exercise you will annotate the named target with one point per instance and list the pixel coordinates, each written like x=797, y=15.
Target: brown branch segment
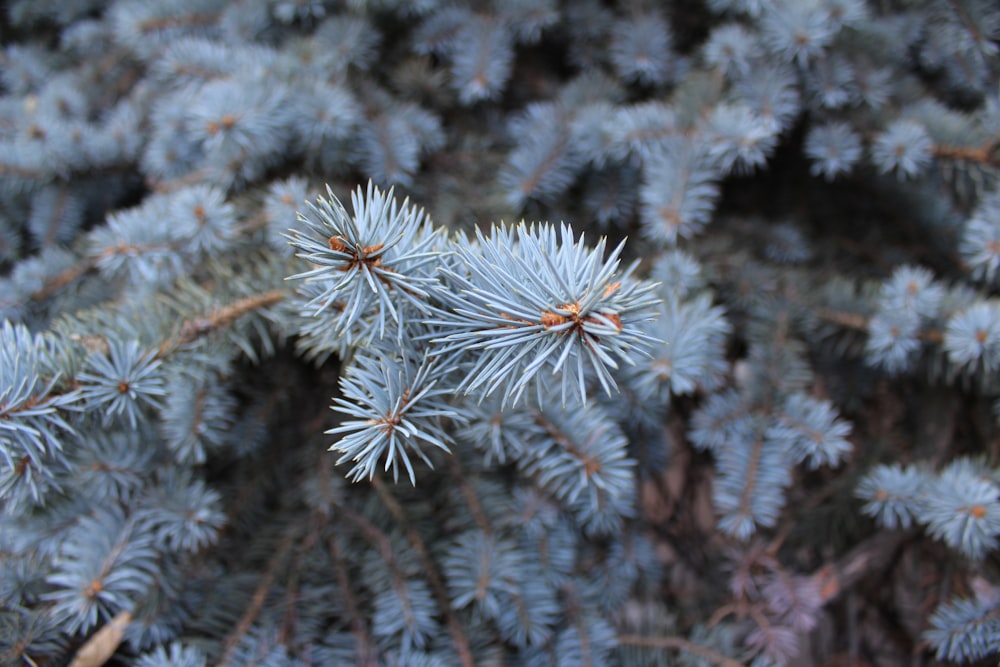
x=193, y=329
x=681, y=644
x=462, y=646
x=258, y=599
x=986, y=155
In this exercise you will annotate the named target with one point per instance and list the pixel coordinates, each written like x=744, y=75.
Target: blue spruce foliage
x=500, y=332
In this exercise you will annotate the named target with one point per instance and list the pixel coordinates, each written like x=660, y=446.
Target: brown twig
x=978, y=154
x=193, y=329
x=471, y=499
x=367, y=656
x=258, y=599
x=384, y=545
x=462, y=646
x=63, y=278
x=846, y=320
x=680, y=644
x=860, y=323
x=834, y=578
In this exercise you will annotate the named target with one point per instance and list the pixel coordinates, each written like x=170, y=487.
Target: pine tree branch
x=681, y=644
x=63, y=278
x=462, y=646
x=193, y=329
x=8, y=170
x=367, y=655
x=858, y=322
x=166, y=187
x=573, y=611
x=967, y=23
x=58, y=209
x=978, y=154
x=876, y=552
x=852, y=321
x=182, y=21
x=384, y=545
x=123, y=248
x=88, y=264
x=591, y=465
x=190, y=331
x=372, y=533
x=287, y=633
x=367, y=651
x=475, y=507
x=750, y=479
x=259, y=597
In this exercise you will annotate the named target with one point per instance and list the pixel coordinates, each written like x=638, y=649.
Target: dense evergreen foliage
x=322, y=341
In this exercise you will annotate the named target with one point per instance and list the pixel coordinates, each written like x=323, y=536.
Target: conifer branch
x=367, y=652
x=193, y=329
x=259, y=596
x=986, y=155
x=178, y=21
x=64, y=278
x=967, y=23
x=21, y=172
x=858, y=322
x=853, y=321
x=681, y=644
x=475, y=507
x=861, y=561
x=384, y=546
x=462, y=645
x=750, y=478
x=155, y=178
x=287, y=634
x=372, y=533
x=589, y=464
